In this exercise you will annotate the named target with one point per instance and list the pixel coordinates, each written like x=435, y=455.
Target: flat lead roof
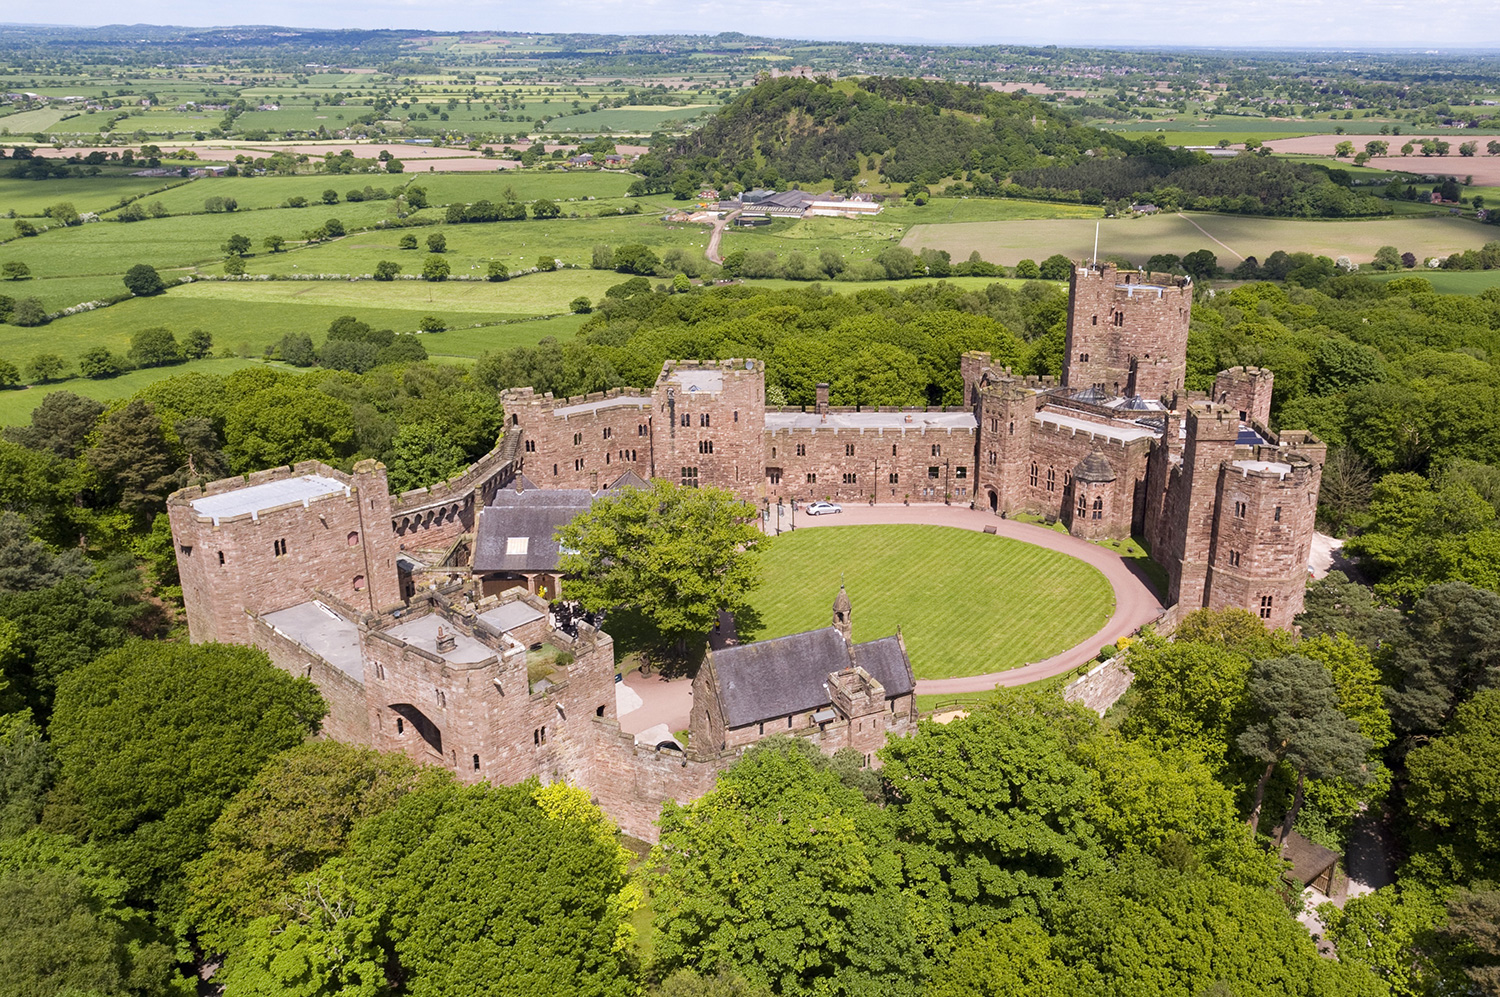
x=1273, y=466
x=698, y=380
x=1124, y=434
x=600, y=404
x=270, y=495
x=510, y=616
x=324, y=633
x=872, y=420
x=422, y=632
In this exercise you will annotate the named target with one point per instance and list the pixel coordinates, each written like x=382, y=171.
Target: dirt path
x=1135, y=602
x=712, y=252
x=1205, y=231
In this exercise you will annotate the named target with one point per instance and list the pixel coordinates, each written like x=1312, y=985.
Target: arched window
x=1083, y=507
x=353, y=538
x=359, y=583
x=1033, y=475
x=1099, y=507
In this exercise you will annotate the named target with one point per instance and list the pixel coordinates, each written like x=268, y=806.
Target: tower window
x=687, y=420
x=812, y=479
x=1234, y=559
x=476, y=763
x=640, y=430
x=937, y=449
x=1033, y=473
x=849, y=479
x=774, y=474
x=690, y=477
x=848, y=449
x=1013, y=428
x=578, y=464
x=1099, y=507
x=1051, y=479
x=1096, y=320
x=1119, y=318
x=607, y=431
x=895, y=478
x=1083, y=506
x=703, y=419
x=353, y=539
x=802, y=450
x=1278, y=514
x=531, y=446
x=994, y=458
x=221, y=558
x=279, y=546
x=932, y=472
x=577, y=439
x=1265, y=607
x=705, y=446
x=1239, y=510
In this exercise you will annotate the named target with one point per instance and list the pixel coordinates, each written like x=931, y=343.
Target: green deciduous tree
x=142, y=280
x=45, y=368
x=386, y=270
x=286, y=423
x=423, y=454
x=237, y=245
x=154, y=347
x=785, y=875
x=675, y=554
x=155, y=739
x=15, y=270
x=296, y=814
x=1454, y=796
x=1189, y=696
x=1451, y=652
x=435, y=268
x=437, y=243
x=992, y=811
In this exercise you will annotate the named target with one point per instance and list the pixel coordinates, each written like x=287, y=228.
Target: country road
x=712, y=252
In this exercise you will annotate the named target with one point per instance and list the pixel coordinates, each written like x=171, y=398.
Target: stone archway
x=994, y=500
x=412, y=721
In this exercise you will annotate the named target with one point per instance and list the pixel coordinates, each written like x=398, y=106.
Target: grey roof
x=269, y=495
x=421, y=632
x=887, y=664
x=600, y=404
x=511, y=615
x=777, y=678
x=534, y=514
x=627, y=480
x=324, y=633
x=695, y=379
x=1094, y=468
x=872, y=420
x=790, y=199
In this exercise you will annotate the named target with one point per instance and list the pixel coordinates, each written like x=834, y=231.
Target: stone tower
x=843, y=614
x=1127, y=332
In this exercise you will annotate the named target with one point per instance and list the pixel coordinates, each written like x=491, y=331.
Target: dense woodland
x=159, y=809
x=989, y=144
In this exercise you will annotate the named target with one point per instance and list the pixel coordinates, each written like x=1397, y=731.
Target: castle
x=423, y=617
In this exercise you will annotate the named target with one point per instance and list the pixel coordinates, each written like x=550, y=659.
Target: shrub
x=546, y=264
x=98, y=363
x=581, y=306
x=15, y=270
x=9, y=375
x=25, y=228
x=386, y=270
x=408, y=241
x=498, y=271
x=334, y=228
x=436, y=268
x=431, y=323
x=45, y=367
x=28, y=312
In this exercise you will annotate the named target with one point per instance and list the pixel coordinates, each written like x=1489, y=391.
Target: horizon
x=1443, y=28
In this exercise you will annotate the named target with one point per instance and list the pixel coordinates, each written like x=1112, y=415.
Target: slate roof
x=776, y=678
x=1094, y=468
x=534, y=514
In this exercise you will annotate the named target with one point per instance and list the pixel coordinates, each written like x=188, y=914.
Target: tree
x=27, y=563
x=25, y=229
x=285, y=423
x=10, y=374
x=60, y=424
x=786, y=876
x=472, y=910
x=132, y=456
x=437, y=243
x=423, y=454
x=1188, y=696
x=65, y=927
x=992, y=811
x=237, y=245
x=274, y=243
x=1011, y=959
x=297, y=813
x=395, y=166
x=201, y=719
x=408, y=241
x=296, y=348
x=155, y=347
x=1343, y=150
x=330, y=196
x=677, y=555
x=63, y=213
x=142, y=280
x=1454, y=799
x=581, y=305
x=1474, y=922
x=386, y=270
x=1297, y=719
x=1335, y=605
x=435, y=268
x=1056, y=267
x=1468, y=148
x=28, y=312
x=1392, y=933
x=431, y=323
x=199, y=344
x=546, y=263
x=15, y=270
x=27, y=768
x=545, y=208
x=1451, y=652
x=637, y=259
x=1201, y=264
x=1028, y=270
x=234, y=266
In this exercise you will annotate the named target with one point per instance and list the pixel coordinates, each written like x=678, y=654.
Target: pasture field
x=1450, y=281
x=16, y=404
x=30, y=198
x=1230, y=237
x=997, y=603
x=43, y=119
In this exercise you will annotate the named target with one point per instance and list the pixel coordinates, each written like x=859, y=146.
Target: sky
x=1429, y=24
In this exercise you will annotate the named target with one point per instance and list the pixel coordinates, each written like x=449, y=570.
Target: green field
x=1450, y=281
x=32, y=197
x=1237, y=236
x=16, y=403
x=967, y=603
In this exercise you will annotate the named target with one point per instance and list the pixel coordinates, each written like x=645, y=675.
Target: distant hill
x=967, y=140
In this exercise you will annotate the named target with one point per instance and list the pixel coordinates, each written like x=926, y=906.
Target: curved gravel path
x=1135, y=602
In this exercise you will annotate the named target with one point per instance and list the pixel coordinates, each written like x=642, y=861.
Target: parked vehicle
x=823, y=508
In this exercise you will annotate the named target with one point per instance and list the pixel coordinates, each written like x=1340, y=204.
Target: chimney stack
x=445, y=641
x=823, y=399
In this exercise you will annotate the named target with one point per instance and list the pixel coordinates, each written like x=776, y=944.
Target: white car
x=823, y=508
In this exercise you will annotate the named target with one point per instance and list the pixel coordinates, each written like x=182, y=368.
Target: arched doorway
x=994, y=500
x=410, y=720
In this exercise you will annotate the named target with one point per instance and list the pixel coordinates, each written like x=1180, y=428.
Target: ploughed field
x=967, y=603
